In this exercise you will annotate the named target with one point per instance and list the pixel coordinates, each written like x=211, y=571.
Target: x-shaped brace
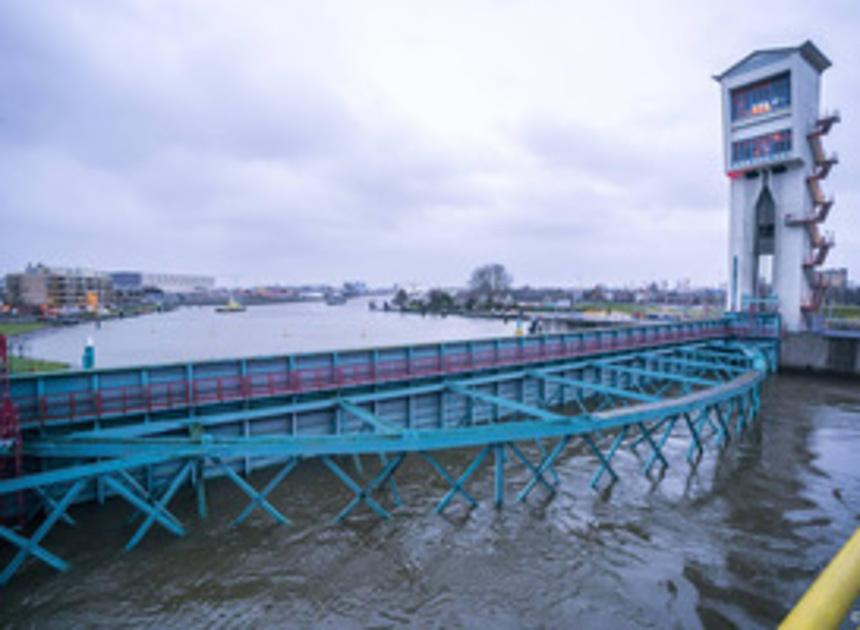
x=260, y=498
x=457, y=486
x=605, y=459
x=696, y=442
x=49, y=502
x=545, y=465
x=155, y=511
x=723, y=435
x=363, y=494
x=160, y=505
x=257, y=498
x=550, y=486
x=31, y=546
x=655, y=448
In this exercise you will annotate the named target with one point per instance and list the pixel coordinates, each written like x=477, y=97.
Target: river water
x=732, y=542
x=194, y=333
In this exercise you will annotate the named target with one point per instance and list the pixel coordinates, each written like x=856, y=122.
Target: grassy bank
x=843, y=312
x=19, y=328
x=24, y=364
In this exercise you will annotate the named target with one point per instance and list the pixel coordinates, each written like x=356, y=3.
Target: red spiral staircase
x=820, y=244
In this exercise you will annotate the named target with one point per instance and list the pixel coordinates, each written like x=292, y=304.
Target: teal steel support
x=542, y=449
x=499, y=461
x=740, y=415
x=255, y=496
x=246, y=424
x=705, y=365
x=200, y=488
x=723, y=435
x=604, y=460
x=655, y=449
x=275, y=481
x=160, y=505
x=656, y=375
x=159, y=513
x=367, y=417
x=714, y=386
x=457, y=486
x=696, y=443
x=512, y=405
x=363, y=493
x=31, y=546
x=670, y=425
x=550, y=487
x=356, y=463
x=547, y=462
x=391, y=483
x=50, y=503
x=596, y=387
x=448, y=478
x=704, y=420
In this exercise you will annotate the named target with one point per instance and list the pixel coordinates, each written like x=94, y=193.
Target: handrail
x=87, y=402
x=827, y=601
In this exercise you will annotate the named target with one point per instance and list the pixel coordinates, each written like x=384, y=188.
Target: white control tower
x=772, y=131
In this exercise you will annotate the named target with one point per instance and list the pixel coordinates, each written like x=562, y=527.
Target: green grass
x=621, y=307
x=19, y=328
x=24, y=364
x=842, y=311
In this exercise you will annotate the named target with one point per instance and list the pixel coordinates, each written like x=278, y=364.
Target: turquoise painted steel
x=85, y=396
x=601, y=388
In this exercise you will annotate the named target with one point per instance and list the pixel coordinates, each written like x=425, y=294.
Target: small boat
x=232, y=306
x=335, y=298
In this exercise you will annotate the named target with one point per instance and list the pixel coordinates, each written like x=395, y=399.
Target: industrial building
x=43, y=288
x=40, y=287
x=167, y=282
x=836, y=279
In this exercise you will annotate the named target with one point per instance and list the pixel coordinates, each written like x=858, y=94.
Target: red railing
x=163, y=396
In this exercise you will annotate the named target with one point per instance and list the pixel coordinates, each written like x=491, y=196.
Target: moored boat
x=232, y=306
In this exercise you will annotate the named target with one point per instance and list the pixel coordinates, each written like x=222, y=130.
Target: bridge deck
x=107, y=394
x=600, y=388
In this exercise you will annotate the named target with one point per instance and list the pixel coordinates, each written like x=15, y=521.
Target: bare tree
x=401, y=299
x=490, y=280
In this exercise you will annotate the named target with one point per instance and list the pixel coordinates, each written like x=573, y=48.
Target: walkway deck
x=513, y=401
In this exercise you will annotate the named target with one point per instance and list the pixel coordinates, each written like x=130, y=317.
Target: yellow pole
x=827, y=601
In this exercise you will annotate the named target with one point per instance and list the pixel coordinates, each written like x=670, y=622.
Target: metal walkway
x=514, y=402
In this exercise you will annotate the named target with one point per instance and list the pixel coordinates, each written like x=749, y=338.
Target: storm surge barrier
x=142, y=434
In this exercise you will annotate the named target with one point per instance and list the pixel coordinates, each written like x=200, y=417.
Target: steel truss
x=708, y=392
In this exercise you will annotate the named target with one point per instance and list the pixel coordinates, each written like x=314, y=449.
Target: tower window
x=762, y=97
x=763, y=148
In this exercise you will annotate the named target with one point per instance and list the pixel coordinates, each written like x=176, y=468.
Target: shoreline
x=20, y=364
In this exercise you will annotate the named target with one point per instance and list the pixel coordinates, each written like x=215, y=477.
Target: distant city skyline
x=297, y=143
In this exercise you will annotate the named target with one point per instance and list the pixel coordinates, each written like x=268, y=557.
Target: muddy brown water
x=733, y=541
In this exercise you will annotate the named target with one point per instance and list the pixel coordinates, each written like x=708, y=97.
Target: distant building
x=354, y=288
x=130, y=281
x=835, y=278
x=55, y=288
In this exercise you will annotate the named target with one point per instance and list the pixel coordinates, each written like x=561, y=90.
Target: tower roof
x=809, y=51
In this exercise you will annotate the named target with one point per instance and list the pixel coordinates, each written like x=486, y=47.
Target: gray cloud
x=318, y=142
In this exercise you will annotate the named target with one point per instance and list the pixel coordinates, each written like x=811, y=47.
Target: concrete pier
x=832, y=352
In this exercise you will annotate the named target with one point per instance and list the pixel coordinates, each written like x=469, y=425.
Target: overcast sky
x=392, y=141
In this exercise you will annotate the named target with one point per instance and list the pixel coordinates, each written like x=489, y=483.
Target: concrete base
x=831, y=352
